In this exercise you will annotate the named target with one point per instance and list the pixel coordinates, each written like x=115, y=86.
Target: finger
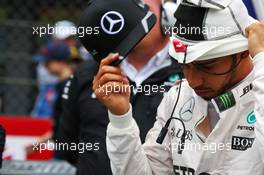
x=110, y=77
x=109, y=59
x=247, y=31
x=116, y=87
x=250, y=28
x=100, y=92
x=107, y=77
x=126, y=81
x=111, y=88
x=108, y=69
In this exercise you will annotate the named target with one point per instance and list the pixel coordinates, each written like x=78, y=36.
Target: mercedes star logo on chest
x=112, y=22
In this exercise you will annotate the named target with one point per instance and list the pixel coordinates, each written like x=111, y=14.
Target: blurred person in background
x=84, y=118
x=46, y=93
x=61, y=61
x=66, y=31
x=46, y=81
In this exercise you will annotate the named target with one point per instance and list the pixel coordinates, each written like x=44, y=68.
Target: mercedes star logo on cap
x=112, y=22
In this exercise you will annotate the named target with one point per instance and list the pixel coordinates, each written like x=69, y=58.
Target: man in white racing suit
x=218, y=123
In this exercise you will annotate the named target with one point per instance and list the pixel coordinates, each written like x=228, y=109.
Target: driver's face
x=201, y=76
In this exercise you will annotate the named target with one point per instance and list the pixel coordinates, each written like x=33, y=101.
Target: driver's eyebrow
x=207, y=62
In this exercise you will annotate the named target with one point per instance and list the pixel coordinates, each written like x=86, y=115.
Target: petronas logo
x=251, y=118
x=225, y=101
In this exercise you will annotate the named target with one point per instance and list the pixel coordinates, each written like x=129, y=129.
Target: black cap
x=53, y=51
x=120, y=25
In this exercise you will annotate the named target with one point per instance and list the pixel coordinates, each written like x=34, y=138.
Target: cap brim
x=135, y=36
x=211, y=49
x=206, y=50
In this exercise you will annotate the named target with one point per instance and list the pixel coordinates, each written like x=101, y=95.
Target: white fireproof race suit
x=234, y=147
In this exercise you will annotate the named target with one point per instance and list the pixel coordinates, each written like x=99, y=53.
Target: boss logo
x=242, y=143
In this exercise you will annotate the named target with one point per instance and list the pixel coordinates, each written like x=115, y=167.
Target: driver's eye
x=207, y=66
x=204, y=66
